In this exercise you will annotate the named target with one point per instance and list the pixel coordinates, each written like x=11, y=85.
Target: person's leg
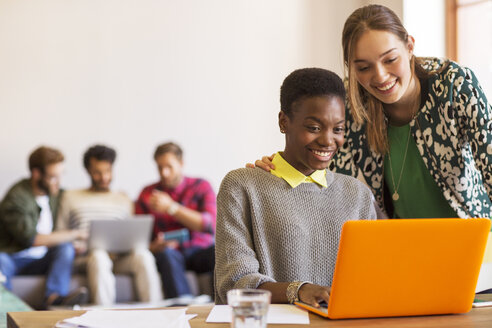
x=201, y=261
x=56, y=264
x=8, y=269
x=141, y=264
x=171, y=264
x=102, y=283
x=59, y=271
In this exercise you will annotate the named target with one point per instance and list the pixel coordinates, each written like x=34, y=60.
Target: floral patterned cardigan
x=453, y=133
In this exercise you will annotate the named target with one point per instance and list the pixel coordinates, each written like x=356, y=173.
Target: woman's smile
x=323, y=155
x=387, y=87
x=314, y=132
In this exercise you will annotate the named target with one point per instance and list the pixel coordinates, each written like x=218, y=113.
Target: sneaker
x=77, y=296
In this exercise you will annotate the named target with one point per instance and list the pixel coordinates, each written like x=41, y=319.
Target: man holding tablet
x=179, y=202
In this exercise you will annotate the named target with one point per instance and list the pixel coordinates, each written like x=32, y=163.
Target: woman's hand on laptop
x=313, y=294
x=265, y=163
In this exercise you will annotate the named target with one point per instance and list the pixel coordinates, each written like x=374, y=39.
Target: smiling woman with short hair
x=280, y=230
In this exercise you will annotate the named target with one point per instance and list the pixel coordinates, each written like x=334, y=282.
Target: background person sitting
x=79, y=207
x=178, y=202
x=28, y=246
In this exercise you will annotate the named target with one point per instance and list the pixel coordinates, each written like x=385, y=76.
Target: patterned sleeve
x=140, y=204
x=63, y=214
x=130, y=205
x=343, y=161
x=476, y=118
x=207, y=207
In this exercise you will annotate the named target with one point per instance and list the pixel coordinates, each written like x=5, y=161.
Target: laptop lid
x=406, y=267
x=120, y=236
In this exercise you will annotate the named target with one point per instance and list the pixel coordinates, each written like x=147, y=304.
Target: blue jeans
x=56, y=264
x=172, y=264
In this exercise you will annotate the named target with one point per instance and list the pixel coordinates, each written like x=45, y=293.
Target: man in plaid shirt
x=179, y=202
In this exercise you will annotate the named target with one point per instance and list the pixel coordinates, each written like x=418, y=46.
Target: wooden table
x=477, y=318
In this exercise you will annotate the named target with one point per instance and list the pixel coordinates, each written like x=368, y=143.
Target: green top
x=453, y=137
x=19, y=215
x=419, y=195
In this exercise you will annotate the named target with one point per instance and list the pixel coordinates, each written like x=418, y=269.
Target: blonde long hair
x=365, y=107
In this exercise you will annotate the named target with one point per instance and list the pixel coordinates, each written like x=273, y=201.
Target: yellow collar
x=293, y=177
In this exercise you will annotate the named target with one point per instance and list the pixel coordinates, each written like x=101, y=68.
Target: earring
x=282, y=131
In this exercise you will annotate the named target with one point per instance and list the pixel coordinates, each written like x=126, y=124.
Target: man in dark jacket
x=28, y=244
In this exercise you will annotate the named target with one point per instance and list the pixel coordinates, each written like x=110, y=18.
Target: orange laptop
x=406, y=267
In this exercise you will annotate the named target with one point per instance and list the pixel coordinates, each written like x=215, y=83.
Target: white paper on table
x=277, y=314
x=134, y=318
x=485, y=277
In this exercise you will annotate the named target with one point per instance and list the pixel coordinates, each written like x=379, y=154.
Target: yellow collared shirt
x=293, y=177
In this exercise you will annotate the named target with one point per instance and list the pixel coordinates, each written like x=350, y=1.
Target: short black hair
x=309, y=82
x=100, y=153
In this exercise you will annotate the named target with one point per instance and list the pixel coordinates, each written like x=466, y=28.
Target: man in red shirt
x=179, y=202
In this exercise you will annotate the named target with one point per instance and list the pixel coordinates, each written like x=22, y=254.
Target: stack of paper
x=132, y=318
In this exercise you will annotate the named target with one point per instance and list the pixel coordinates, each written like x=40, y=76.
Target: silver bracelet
x=173, y=208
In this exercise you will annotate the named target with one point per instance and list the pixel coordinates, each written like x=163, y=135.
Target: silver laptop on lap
x=120, y=236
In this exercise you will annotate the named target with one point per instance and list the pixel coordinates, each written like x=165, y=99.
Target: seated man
x=27, y=243
x=79, y=207
x=179, y=202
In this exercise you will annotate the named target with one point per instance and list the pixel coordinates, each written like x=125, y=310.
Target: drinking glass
x=249, y=307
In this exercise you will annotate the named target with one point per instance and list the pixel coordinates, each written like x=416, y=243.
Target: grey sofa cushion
x=31, y=288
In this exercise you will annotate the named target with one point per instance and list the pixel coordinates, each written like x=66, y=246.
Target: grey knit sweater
x=268, y=231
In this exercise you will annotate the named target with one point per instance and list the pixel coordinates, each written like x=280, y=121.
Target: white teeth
x=387, y=87
x=321, y=153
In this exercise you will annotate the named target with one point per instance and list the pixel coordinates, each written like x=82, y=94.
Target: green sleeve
x=19, y=220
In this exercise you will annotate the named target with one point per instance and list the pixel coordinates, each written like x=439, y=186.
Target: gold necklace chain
x=395, y=195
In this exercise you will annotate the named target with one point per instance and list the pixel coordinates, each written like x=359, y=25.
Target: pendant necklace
x=416, y=106
x=395, y=195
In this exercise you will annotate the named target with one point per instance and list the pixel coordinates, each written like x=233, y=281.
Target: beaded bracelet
x=292, y=291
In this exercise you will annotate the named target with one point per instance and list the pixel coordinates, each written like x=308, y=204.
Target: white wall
x=426, y=26
x=476, y=34
x=132, y=74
